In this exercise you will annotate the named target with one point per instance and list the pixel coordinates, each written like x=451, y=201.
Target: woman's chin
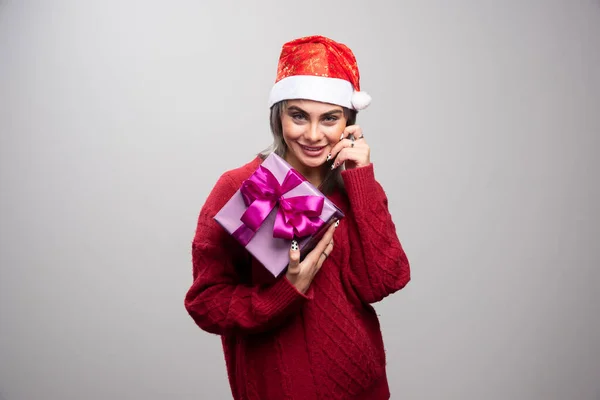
x=309, y=160
x=312, y=163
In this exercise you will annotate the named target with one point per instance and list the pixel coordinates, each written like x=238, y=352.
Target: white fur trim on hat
x=317, y=88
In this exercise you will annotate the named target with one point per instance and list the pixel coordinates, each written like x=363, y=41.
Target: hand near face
x=352, y=149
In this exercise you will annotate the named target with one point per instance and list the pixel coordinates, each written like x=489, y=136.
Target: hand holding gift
x=274, y=206
x=301, y=274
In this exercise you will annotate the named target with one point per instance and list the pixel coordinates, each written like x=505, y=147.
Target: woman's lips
x=313, y=151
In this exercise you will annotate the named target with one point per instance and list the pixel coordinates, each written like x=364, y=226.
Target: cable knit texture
x=279, y=343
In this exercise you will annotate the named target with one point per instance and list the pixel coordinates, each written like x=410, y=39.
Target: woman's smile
x=313, y=151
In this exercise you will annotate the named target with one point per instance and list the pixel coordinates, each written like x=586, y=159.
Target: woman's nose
x=314, y=133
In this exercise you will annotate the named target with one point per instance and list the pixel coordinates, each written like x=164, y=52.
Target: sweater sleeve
x=218, y=301
x=378, y=265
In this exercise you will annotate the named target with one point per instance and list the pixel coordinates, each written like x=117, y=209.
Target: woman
x=312, y=332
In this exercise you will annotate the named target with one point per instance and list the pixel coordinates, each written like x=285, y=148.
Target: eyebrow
x=298, y=109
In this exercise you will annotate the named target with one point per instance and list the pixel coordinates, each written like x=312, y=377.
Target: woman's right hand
x=301, y=274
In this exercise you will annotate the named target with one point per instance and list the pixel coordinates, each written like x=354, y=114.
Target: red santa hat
x=318, y=68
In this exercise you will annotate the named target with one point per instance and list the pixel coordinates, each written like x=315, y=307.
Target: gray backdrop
x=117, y=117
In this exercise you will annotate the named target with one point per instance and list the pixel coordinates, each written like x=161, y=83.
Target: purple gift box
x=275, y=205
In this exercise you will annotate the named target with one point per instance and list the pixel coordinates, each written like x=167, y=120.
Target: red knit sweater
x=279, y=343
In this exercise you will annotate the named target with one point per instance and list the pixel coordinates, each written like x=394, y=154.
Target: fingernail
x=333, y=166
x=294, y=245
x=337, y=223
x=328, y=157
x=341, y=137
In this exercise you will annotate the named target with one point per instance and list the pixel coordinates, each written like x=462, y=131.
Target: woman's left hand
x=352, y=149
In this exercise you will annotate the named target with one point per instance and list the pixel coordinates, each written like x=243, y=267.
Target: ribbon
x=296, y=216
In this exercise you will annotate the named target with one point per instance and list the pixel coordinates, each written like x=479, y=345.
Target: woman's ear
x=350, y=116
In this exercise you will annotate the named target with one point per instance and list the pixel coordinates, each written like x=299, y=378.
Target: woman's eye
x=331, y=119
x=298, y=116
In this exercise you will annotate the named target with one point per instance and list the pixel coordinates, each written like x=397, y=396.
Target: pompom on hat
x=320, y=69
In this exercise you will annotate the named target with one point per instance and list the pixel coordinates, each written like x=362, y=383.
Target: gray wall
x=116, y=119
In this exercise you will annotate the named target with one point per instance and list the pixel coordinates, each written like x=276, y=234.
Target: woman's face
x=310, y=130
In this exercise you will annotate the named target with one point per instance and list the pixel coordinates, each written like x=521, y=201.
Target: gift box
x=275, y=205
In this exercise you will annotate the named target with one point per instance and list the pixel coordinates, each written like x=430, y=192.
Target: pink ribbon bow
x=296, y=216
